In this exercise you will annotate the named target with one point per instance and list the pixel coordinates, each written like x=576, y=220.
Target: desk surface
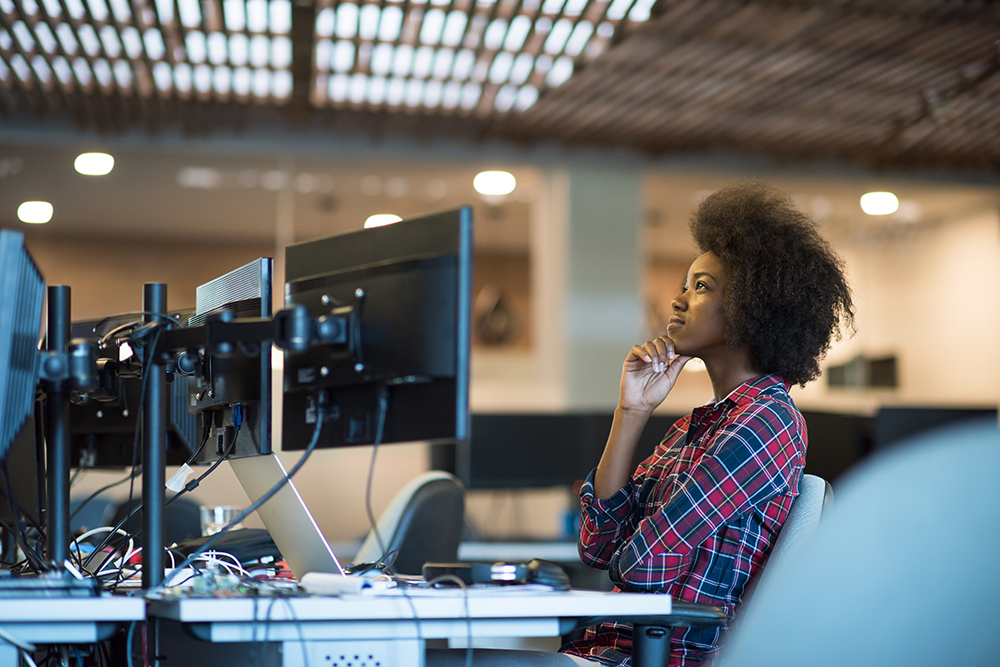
x=71, y=610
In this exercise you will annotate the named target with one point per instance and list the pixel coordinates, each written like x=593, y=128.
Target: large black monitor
x=22, y=293
x=410, y=283
x=103, y=424
x=242, y=376
x=894, y=424
x=538, y=450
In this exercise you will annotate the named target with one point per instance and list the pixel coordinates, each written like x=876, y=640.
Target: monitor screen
x=894, y=424
x=410, y=284
x=242, y=377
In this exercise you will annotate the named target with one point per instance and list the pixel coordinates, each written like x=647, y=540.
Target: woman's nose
x=678, y=303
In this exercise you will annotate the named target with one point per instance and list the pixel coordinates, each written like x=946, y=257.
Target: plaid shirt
x=699, y=516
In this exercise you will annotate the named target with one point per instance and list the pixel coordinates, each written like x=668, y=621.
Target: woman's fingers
x=657, y=353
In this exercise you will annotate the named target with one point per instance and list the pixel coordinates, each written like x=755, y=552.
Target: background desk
x=377, y=630
x=64, y=620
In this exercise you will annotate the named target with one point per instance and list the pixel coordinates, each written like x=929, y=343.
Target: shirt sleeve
x=748, y=460
x=605, y=524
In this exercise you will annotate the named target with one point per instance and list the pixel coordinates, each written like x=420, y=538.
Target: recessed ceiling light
x=494, y=183
x=94, y=164
x=381, y=219
x=35, y=212
x=879, y=203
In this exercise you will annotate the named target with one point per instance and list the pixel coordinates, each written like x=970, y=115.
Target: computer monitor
x=241, y=377
x=103, y=424
x=411, y=285
x=894, y=424
x=538, y=450
x=22, y=293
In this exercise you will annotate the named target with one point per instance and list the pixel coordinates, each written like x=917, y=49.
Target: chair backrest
x=815, y=494
x=423, y=522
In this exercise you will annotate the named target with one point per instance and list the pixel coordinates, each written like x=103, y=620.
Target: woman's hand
x=648, y=374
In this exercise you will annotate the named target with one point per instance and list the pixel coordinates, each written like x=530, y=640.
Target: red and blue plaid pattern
x=699, y=516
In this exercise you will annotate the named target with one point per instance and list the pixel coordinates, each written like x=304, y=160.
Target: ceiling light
x=94, y=164
x=381, y=219
x=879, y=203
x=494, y=183
x=35, y=212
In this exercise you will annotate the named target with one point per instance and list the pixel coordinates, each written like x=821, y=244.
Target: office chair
x=423, y=522
x=651, y=634
x=181, y=520
x=902, y=571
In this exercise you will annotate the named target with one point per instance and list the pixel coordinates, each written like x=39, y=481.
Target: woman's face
x=697, y=325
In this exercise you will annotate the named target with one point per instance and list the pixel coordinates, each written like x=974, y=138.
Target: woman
x=697, y=519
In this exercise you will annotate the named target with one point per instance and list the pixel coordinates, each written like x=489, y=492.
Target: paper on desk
x=325, y=583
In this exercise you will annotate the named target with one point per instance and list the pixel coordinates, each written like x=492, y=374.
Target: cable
x=320, y=417
x=14, y=641
x=468, y=616
x=135, y=472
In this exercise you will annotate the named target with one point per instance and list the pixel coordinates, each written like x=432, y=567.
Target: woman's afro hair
x=786, y=295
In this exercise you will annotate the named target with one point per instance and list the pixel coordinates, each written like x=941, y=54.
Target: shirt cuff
x=612, y=509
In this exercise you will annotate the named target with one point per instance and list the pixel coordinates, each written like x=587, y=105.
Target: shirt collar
x=751, y=389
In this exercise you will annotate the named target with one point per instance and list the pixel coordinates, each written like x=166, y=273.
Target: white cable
x=28, y=659
x=14, y=641
x=107, y=529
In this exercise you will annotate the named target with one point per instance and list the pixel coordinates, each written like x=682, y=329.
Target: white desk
x=63, y=620
x=371, y=630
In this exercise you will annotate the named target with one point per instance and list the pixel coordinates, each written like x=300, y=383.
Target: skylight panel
x=521, y=69
x=343, y=56
x=102, y=72
x=30, y=7
x=403, y=60
x=202, y=78
x=394, y=93
x=454, y=28
x=442, y=63
x=324, y=55
x=256, y=15
x=123, y=74
x=62, y=69
x=414, y=92
x=76, y=9
x=109, y=39
x=241, y=81
x=368, y=21
x=505, y=98
x=23, y=35
x=520, y=26
x=552, y=7
x=500, y=69
x=432, y=93
x=357, y=88
x=239, y=49
x=556, y=40
x=381, y=63
x=222, y=80
x=618, y=9
x=526, y=98
x=281, y=16
x=5, y=40
x=495, y=34
x=190, y=13
x=41, y=68
x=640, y=12
x=217, y=51
x=235, y=15
x=98, y=9
x=197, y=50
x=162, y=76
x=338, y=88
x=324, y=22
x=281, y=53
x=562, y=69
x=281, y=84
x=121, y=10
x=182, y=78
x=422, y=62
x=376, y=90
x=52, y=8
x=154, y=44
x=579, y=38
x=260, y=51
x=432, y=27
x=391, y=24
x=132, y=42
x=470, y=95
x=80, y=68
x=574, y=7
x=88, y=38
x=45, y=37
x=261, y=83
x=66, y=38
x=451, y=95
x=464, y=62
x=347, y=21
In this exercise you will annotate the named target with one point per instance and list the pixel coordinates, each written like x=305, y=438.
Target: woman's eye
x=701, y=285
